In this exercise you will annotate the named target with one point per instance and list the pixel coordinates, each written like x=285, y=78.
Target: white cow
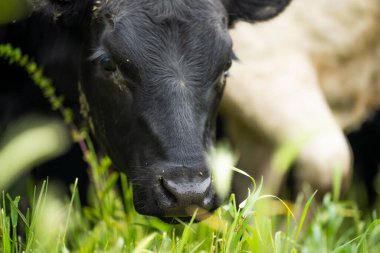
x=304, y=78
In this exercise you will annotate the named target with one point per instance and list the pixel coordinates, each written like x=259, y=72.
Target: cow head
x=152, y=77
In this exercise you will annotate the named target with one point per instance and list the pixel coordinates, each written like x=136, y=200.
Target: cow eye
x=228, y=65
x=108, y=64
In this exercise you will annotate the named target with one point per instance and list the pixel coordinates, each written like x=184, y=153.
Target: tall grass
x=109, y=223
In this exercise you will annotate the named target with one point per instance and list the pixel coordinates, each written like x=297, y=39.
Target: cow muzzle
x=179, y=192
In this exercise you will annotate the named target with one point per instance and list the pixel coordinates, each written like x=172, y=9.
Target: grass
x=262, y=223
x=109, y=223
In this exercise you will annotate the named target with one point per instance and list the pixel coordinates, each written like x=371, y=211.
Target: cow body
x=150, y=76
x=327, y=83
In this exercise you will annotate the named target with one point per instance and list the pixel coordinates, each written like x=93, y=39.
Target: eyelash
x=108, y=64
x=115, y=73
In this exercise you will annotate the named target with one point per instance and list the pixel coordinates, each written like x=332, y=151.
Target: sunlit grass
x=262, y=223
x=221, y=161
x=29, y=142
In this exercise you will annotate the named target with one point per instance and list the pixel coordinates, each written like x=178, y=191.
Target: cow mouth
x=176, y=213
x=199, y=215
x=174, y=220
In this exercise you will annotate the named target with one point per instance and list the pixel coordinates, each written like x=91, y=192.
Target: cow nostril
x=184, y=193
x=180, y=191
x=168, y=197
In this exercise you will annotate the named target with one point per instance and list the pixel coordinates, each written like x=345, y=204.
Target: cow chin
x=146, y=205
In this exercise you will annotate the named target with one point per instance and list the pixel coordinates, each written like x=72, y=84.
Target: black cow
x=150, y=76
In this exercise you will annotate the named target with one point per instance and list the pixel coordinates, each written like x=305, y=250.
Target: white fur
x=314, y=69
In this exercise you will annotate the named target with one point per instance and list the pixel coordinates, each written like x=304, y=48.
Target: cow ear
x=253, y=10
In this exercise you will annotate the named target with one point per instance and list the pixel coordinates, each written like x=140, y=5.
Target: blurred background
x=302, y=102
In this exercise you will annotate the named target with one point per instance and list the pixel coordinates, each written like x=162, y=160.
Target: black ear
x=253, y=10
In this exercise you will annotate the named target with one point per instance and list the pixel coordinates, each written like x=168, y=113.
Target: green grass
x=52, y=222
x=263, y=223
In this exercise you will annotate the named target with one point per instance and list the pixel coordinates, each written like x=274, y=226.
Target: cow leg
x=324, y=157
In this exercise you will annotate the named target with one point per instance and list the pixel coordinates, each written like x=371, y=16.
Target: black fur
x=365, y=144
x=254, y=10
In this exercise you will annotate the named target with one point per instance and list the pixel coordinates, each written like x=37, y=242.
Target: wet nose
x=181, y=190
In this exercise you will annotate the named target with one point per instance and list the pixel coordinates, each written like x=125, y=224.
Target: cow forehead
x=138, y=32
x=146, y=17
x=184, y=37
x=184, y=8
x=208, y=13
x=182, y=50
